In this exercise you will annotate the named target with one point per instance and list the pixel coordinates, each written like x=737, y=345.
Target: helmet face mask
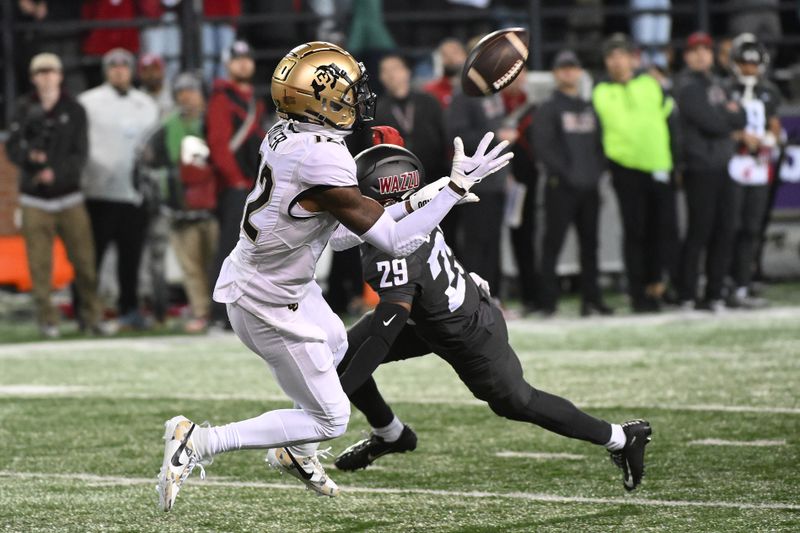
x=321, y=83
x=388, y=173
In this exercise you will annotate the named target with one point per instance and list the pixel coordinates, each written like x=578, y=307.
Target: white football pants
x=302, y=348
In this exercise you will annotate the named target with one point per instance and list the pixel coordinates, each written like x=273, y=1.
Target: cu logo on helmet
x=325, y=76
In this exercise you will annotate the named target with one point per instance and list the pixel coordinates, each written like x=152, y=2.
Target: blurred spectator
x=65, y=41
x=652, y=31
x=177, y=156
x=523, y=190
x=760, y=17
x=98, y=41
x=234, y=126
x=568, y=141
x=48, y=141
x=369, y=38
x=151, y=76
x=722, y=67
x=479, y=226
x=152, y=278
x=218, y=36
x=524, y=171
x=120, y=118
x=416, y=115
x=162, y=38
x=750, y=168
x=708, y=119
x=633, y=112
x=451, y=56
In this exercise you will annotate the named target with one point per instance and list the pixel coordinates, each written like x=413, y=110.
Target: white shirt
x=118, y=124
x=280, y=242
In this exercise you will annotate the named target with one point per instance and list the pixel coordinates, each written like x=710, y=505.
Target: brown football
x=495, y=61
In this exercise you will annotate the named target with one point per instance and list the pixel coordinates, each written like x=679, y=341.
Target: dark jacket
x=61, y=133
x=706, y=124
x=420, y=120
x=568, y=140
x=227, y=111
x=470, y=118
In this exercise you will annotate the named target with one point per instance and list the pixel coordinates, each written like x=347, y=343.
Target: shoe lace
x=324, y=454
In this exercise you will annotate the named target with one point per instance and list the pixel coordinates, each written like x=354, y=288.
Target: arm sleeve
x=401, y=238
x=344, y=239
x=546, y=141
x=220, y=131
x=712, y=120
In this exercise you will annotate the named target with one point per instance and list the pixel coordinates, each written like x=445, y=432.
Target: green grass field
x=81, y=426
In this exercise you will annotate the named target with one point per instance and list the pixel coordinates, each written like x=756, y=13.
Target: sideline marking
x=528, y=496
x=540, y=455
x=69, y=391
x=722, y=442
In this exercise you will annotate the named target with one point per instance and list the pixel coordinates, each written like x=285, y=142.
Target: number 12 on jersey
x=258, y=202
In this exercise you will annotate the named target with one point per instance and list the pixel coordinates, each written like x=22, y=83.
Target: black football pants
x=492, y=372
x=710, y=198
x=750, y=204
x=565, y=205
x=648, y=214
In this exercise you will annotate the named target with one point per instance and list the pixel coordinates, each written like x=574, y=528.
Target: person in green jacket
x=634, y=113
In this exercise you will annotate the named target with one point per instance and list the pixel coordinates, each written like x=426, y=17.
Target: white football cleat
x=305, y=468
x=180, y=458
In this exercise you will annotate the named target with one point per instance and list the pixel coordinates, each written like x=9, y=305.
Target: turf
x=81, y=422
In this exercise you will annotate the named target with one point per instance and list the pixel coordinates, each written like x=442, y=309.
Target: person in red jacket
x=234, y=125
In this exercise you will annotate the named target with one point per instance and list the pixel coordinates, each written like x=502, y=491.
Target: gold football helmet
x=321, y=83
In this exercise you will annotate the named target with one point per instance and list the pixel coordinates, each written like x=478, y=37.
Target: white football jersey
x=279, y=241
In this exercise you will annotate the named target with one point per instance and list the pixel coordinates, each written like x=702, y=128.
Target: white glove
x=482, y=284
x=468, y=171
x=426, y=194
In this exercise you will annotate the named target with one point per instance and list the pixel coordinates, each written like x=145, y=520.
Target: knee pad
x=334, y=424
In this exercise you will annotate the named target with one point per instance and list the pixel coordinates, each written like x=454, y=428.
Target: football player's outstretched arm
x=367, y=219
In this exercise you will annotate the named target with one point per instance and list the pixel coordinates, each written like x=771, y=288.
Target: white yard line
x=722, y=442
x=527, y=496
x=540, y=455
x=70, y=391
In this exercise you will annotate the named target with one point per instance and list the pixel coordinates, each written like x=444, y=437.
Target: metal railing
x=536, y=17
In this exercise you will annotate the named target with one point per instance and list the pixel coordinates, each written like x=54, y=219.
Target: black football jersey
x=446, y=305
x=762, y=107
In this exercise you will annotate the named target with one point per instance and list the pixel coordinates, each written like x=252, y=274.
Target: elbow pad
x=344, y=239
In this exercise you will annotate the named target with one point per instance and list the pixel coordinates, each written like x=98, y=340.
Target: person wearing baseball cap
x=48, y=142
x=152, y=78
x=634, y=113
x=567, y=140
x=708, y=120
x=120, y=118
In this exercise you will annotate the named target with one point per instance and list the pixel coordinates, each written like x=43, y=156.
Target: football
x=495, y=61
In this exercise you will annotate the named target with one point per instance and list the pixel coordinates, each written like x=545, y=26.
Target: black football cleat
x=631, y=458
x=364, y=452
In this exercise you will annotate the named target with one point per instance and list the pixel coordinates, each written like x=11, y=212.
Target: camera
x=37, y=132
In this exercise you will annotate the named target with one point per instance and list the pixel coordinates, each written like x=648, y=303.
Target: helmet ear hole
x=335, y=106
